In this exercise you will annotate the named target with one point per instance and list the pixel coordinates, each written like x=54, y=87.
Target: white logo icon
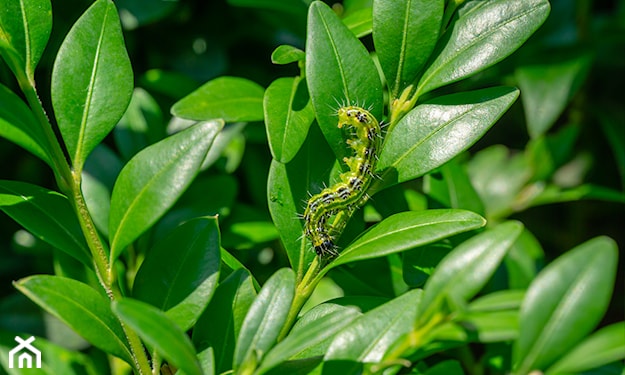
x=27, y=352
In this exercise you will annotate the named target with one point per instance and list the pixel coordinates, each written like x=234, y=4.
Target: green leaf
x=573, y=291
x=25, y=27
x=46, y=214
x=19, y=125
x=522, y=260
x=339, y=72
x=484, y=327
x=91, y=80
x=604, y=346
x=498, y=176
x=451, y=187
x=285, y=54
x=152, y=181
x=182, y=285
x=288, y=115
x=418, y=264
x=264, y=320
x=501, y=300
x=141, y=125
x=220, y=323
x=547, y=89
x=229, y=98
x=82, y=308
x=369, y=336
x=159, y=332
x=360, y=22
x=405, y=33
x=467, y=268
x=448, y=367
x=98, y=178
x=319, y=325
x=482, y=36
x=407, y=230
x=436, y=131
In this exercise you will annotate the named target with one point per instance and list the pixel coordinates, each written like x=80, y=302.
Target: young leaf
x=436, y=131
x=82, y=308
x=158, y=331
x=407, y=230
x=152, y=181
x=602, y=347
x=467, y=268
x=369, y=336
x=229, y=98
x=24, y=31
x=91, y=80
x=181, y=285
x=19, y=125
x=46, y=214
x=405, y=33
x=288, y=115
x=285, y=54
x=264, y=320
x=220, y=323
x=572, y=291
x=339, y=72
x=481, y=37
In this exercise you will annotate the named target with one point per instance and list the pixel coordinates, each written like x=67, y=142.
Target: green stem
x=103, y=270
x=60, y=166
x=69, y=182
x=302, y=292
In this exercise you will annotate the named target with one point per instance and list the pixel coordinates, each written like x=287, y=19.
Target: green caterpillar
x=349, y=193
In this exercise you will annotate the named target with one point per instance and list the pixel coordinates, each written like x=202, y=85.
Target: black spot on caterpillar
x=349, y=193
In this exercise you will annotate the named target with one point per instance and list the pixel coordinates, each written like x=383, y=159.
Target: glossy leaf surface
x=436, y=131
x=369, y=336
x=405, y=33
x=407, y=230
x=339, y=72
x=19, y=125
x=220, y=323
x=467, y=268
x=25, y=27
x=82, y=308
x=288, y=115
x=152, y=181
x=572, y=291
x=92, y=80
x=46, y=214
x=159, y=332
x=265, y=319
x=182, y=285
x=228, y=98
x=484, y=34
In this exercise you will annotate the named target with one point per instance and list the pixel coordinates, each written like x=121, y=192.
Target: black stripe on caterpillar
x=322, y=222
